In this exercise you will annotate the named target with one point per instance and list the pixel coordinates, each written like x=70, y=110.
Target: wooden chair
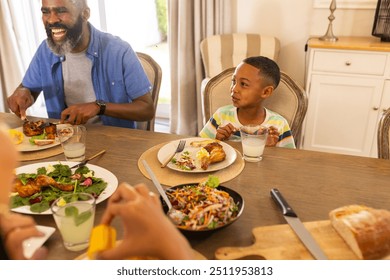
x=289, y=99
x=154, y=73
x=384, y=135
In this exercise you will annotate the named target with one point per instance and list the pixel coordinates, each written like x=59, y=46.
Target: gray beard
x=64, y=48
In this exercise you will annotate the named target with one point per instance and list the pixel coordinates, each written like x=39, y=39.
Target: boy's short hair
x=268, y=68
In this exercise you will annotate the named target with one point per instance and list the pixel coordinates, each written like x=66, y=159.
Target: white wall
x=294, y=21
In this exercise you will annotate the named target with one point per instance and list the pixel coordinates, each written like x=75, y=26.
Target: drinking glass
x=253, y=139
x=73, y=140
x=74, y=215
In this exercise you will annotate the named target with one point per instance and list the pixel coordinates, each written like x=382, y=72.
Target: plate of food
x=37, y=185
x=205, y=207
x=199, y=155
x=36, y=135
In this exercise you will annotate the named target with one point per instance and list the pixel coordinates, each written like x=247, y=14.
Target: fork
x=179, y=149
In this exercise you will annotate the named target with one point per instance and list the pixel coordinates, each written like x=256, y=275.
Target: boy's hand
x=224, y=132
x=273, y=136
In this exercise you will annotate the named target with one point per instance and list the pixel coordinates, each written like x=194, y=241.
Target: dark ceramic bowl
x=237, y=198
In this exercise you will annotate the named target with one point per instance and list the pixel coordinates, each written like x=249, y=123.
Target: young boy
x=254, y=80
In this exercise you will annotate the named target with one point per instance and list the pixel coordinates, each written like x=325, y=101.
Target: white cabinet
x=348, y=90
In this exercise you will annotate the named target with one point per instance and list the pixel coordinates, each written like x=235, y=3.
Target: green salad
x=57, y=180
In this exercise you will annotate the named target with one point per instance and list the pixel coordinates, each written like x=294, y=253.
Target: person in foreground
x=14, y=228
x=144, y=222
x=253, y=81
x=85, y=74
x=139, y=210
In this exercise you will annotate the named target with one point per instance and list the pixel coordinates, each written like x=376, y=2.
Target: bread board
x=279, y=242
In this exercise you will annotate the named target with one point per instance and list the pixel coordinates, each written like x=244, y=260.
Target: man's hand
x=79, y=113
x=20, y=100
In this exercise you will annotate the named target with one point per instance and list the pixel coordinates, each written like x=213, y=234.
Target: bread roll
x=364, y=229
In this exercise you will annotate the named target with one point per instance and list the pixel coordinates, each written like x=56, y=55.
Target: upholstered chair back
x=384, y=135
x=220, y=52
x=154, y=73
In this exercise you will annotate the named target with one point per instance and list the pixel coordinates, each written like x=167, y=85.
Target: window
x=144, y=25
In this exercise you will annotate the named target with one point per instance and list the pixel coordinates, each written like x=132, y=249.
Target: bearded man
x=85, y=75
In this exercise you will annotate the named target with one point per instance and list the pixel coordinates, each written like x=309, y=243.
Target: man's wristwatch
x=102, y=106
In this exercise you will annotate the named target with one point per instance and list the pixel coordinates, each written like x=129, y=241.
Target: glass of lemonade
x=74, y=215
x=253, y=139
x=73, y=139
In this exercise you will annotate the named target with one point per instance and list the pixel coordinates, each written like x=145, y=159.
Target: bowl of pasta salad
x=205, y=207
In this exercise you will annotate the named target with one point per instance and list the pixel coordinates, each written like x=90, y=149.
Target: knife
x=298, y=227
x=84, y=162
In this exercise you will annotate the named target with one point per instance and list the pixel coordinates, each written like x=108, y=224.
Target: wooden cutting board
x=279, y=242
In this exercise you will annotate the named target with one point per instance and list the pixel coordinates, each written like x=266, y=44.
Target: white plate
x=107, y=176
x=32, y=244
x=26, y=146
x=169, y=148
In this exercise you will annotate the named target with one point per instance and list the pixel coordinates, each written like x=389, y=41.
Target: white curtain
x=10, y=61
x=191, y=21
x=21, y=31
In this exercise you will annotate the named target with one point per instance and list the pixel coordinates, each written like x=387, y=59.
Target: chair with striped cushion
x=220, y=52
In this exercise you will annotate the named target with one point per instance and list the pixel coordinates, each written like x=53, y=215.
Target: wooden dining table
x=314, y=183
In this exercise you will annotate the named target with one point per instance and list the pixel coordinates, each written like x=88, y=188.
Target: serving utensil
x=298, y=227
x=180, y=148
x=84, y=162
x=175, y=215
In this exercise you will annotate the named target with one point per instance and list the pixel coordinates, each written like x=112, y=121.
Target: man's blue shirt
x=117, y=75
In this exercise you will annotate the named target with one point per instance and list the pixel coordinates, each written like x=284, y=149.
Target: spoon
x=175, y=215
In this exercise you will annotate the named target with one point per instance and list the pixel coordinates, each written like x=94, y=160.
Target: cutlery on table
x=180, y=148
x=175, y=215
x=298, y=227
x=84, y=162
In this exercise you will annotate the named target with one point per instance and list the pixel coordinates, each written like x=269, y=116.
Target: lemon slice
x=61, y=202
x=16, y=136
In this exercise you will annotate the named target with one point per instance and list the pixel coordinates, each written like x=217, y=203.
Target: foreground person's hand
x=148, y=232
x=15, y=228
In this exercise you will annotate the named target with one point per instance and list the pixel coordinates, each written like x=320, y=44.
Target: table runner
x=169, y=177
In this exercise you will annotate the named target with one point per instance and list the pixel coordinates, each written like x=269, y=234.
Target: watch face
x=102, y=106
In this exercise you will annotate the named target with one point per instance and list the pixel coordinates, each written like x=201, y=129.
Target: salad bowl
x=206, y=210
